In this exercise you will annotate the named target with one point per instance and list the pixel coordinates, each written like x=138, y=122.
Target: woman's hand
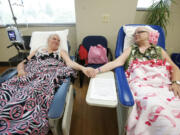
x=89, y=72
x=176, y=89
x=21, y=73
x=97, y=71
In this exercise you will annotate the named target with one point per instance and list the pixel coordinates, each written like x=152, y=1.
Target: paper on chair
x=103, y=89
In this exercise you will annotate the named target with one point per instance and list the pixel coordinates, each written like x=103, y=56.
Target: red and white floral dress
x=156, y=110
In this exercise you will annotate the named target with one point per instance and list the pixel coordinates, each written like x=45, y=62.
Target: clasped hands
x=90, y=72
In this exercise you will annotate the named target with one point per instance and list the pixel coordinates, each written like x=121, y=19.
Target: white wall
x=173, y=37
x=89, y=17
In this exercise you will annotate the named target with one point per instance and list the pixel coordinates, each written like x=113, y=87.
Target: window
x=145, y=4
x=38, y=11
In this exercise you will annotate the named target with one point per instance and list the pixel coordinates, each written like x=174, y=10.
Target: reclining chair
x=125, y=97
x=87, y=42
x=61, y=108
x=176, y=58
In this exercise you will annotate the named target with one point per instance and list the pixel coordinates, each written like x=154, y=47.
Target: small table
x=102, y=91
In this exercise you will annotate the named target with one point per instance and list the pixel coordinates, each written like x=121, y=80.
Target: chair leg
x=55, y=126
x=81, y=78
x=122, y=115
x=66, y=120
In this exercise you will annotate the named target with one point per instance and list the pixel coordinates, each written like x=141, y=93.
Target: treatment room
x=89, y=67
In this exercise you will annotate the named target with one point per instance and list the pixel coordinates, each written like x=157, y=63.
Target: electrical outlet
x=105, y=18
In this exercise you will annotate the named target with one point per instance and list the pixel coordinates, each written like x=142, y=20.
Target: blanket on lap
x=156, y=110
x=25, y=101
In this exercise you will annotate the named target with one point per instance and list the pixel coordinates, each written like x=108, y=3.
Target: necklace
x=143, y=49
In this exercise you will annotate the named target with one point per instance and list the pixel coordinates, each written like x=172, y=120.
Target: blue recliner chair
x=61, y=108
x=125, y=96
x=176, y=58
x=87, y=42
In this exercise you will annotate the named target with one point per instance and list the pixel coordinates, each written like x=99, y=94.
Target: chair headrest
x=93, y=41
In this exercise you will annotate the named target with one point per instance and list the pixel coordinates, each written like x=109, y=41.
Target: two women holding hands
x=152, y=76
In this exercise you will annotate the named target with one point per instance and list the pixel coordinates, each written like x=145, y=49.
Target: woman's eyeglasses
x=138, y=32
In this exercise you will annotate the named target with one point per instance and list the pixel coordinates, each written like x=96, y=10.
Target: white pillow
x=39, y=39
x=129, y=31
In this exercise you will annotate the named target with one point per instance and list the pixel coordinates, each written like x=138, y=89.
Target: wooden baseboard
x=4, y=63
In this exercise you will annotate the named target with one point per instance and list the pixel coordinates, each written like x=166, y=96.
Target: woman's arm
x=87, y=71
x=175, y=75
x=20, y=66
x=116, y=63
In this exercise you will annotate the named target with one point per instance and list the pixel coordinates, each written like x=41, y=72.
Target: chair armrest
x=176, y=58
x=77, y=55
x=72, y=58
x=109, y=53
x=8, y=74
x=57, y=106
x=124, y=92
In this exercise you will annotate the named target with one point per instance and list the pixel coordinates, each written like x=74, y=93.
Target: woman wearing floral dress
x=155, y=83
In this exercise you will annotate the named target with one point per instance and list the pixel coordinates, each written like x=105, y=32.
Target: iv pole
x=14, y=18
